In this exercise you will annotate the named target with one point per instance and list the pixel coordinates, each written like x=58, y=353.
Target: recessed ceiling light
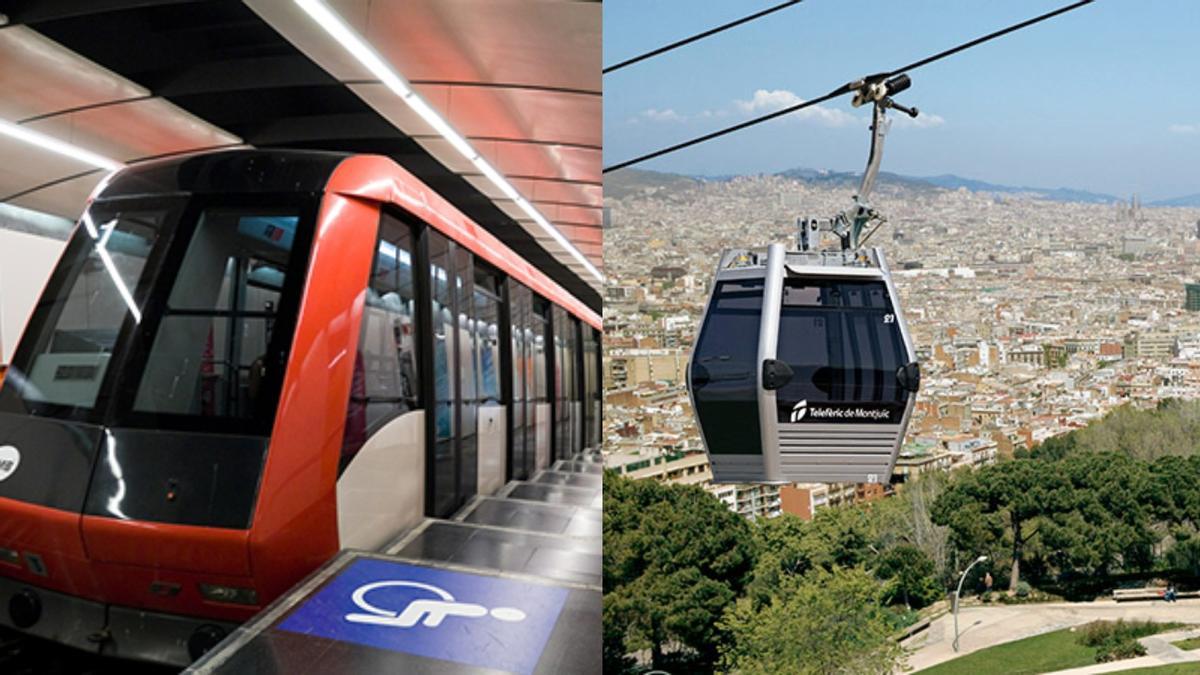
x=54, y=145
x=337, y=28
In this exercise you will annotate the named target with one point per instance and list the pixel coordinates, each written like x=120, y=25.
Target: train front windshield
x=167, y=312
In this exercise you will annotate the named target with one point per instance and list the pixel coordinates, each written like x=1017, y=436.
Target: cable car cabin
x=803, y=370
x=246, y=361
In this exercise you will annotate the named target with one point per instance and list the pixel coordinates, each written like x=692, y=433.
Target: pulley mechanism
x=849, y=225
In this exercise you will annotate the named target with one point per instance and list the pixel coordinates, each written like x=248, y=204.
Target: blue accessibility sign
x=473, y=619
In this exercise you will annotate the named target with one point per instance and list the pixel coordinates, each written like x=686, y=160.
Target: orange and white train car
x=246, y=361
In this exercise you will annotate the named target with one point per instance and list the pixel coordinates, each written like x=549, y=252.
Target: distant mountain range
x=953, y=182
x=628, y=181
x=1189, y=200
x=631, y=181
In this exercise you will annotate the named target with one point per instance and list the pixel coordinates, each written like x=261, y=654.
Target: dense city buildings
x=1031, y=317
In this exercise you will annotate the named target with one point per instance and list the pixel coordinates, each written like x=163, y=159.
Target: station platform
x=510, y=584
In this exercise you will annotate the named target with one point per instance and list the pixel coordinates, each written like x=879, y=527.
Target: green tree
x=906, y=519
x=910, y=577
x=1175, y=496
x=674, y=558
x=999, y=505
x=783, y=549
x=788, y=545
x=1171, y=428
x=1055, y=447
x=1185, y=555
x=1103, y=519
x=822, y=623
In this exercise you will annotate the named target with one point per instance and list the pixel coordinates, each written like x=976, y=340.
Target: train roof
x=372, y=177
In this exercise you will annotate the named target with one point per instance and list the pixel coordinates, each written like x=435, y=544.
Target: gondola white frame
x=770, y=466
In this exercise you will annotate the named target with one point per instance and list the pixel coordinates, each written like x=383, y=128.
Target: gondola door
x=725, y=376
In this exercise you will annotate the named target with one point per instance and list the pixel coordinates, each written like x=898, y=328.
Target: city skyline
x=1023, y=334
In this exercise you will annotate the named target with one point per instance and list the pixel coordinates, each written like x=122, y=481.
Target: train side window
x=541, y=374
x=446, y=392
x=385, y=383
x=522, y=397
x=591, y=388
x=487, y=329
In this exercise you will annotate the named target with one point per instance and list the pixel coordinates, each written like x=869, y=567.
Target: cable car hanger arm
x=849, y=225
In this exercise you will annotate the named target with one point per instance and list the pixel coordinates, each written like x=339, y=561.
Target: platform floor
x=530, y=516
x=510, y=584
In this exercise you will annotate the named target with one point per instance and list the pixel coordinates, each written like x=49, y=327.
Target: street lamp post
x=958, y=592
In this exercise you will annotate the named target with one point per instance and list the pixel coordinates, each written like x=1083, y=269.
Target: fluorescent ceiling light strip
x=372, y=61
x=54, y=145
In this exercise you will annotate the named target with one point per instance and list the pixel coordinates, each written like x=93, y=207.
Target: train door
x=591, y=389
x=561, y=365
x=489, y=307
x=542, y=369
x=577, y=379
x=381, y=484
x=455, y=386
x=522, y=430
x=567, y=404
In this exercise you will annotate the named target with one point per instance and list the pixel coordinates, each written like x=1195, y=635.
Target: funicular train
x=248, y=360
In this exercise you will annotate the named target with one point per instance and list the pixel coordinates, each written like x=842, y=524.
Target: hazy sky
x=1104, y=98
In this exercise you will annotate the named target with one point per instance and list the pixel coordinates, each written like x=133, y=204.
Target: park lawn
x=1188, y=644
x=1057, y=650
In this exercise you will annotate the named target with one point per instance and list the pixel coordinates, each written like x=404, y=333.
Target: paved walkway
x=982, y=626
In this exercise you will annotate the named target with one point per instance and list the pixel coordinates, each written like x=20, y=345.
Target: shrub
x=1023, y=589
x=1121, y=649
x=900, y=618
x=1116, y=640
x=1099, y=633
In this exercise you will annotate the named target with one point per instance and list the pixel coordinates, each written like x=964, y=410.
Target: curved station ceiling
x=496, y=104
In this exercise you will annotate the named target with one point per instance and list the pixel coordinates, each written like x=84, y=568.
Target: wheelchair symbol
x=426, y=611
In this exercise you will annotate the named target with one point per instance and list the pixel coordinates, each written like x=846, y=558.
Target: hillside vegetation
x=1173, y=428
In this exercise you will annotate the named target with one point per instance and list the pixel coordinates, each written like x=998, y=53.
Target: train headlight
x=24, y=608
x=231, y=594
x=204, y=639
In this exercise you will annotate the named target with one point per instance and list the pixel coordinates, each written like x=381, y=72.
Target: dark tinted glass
x=487, y=344
x=724, y=369
x=73, y=332
x=385, y=383
x=522, y=437
x=591, y=387
x=445, y=380
x=209, y=355
x=842, y=341
x=468, y=374
x=195, y=297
